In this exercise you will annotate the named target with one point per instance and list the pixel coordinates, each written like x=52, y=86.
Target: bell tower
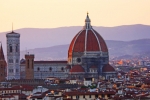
x=29, y=66
x=13, y=55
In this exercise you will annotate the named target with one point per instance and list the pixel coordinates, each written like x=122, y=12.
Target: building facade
x=31, y=69
x=13, y=55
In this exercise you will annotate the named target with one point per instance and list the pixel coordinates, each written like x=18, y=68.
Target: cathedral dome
x=87, y=40
x=77, y=68
x=108, y=68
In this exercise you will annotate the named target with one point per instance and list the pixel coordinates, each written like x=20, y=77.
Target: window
x=56, y=93
x=28, y=63
x=38, y=69
x=96, y=96
x=11, y=70
x=83, y=96
x=10, y=60
x=62, y=69
x=79, y=77
x=77, y=97
x=50, y=69
x=89, y=96
x=17, y=61
x=17, y=70
x=10, y=48
x=103, y=59
x=17, y=48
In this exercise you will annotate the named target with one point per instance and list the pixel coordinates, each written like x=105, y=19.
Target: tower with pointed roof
x=2, y=64
x=13, y=55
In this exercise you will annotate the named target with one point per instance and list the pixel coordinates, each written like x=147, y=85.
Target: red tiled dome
x=87, y=40
x=77, y=68
x=108, y=68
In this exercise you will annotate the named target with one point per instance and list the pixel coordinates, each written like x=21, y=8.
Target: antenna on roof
x=12, y=27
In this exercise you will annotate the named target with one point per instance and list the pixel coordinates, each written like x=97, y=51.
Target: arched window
x=38, y=69
x=50, y=69
x=17, y=48
x=17, y=60
x=10, y=60
x=10, y=48
x=28, y=63
x=17, y=70
x=62, y=69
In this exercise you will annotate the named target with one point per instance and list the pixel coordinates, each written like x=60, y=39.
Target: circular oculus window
x=78, y=60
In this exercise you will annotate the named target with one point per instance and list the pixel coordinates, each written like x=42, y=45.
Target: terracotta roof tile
x=108, y=68
x=77, y=68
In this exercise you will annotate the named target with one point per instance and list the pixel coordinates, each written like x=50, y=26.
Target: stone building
x=31, y=69
x=88, y=54
x=13, y=55
x=3, y=65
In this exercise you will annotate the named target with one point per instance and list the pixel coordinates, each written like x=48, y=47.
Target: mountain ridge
x=46, y=37
x=116, y=49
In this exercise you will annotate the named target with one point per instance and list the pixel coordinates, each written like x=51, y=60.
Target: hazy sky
x=58, y=13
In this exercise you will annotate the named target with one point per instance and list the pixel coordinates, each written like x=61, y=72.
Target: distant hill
x=49, y=43
x=38, y=38
x=122, y=49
